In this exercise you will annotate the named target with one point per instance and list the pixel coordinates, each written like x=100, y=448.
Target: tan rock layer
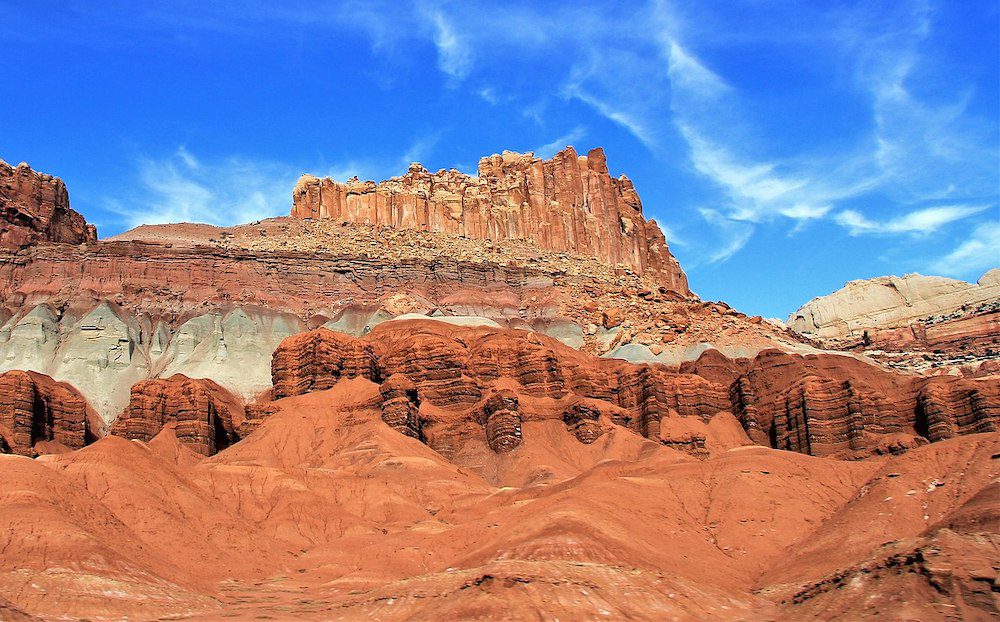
x=34, y=207
x=569, y=203
x=35, y=408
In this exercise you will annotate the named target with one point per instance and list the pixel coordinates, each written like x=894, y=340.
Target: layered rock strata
x=35, y=410
x=823, y=405
x=205, y=415
x=569, y=203
x=913, y=322
x=34, y=207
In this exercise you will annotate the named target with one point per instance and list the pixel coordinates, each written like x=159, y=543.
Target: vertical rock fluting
x=501, y=419
x=35, y=408
x=582, y=421
x=401, y=406
x=205, y=415
x=569, y=203
x=824, y=405
x=950, y=407
x=35, y=207
x=317, y=360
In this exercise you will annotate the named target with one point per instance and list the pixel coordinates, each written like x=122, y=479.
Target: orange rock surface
x=568, y=203
x=35, y=206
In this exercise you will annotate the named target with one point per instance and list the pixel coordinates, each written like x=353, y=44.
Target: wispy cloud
x=922, y=221
x=733, y=233
x=548, y=149
x=973, y=256
x=454, y=55
x=182, y=188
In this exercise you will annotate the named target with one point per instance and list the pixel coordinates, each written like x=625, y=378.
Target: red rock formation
x=35, y=207
x=823, y=405
x=317, y=360
x=948, y=407
x=401, y=406
x=834, y=405
x=582, y=420
x=206, y=415
x=568, y=203
x=34, y=409
x=501, y=420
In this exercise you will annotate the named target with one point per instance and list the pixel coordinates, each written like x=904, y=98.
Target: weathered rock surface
x=206, y=415
x=346, y=517
x=36, y=411
x=568, y=203
x=823, y=405
x=34, y=207
x=837, y=405
x=913, y=322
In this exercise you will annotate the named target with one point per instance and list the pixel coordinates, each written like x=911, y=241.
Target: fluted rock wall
x=205, y=415
x=35, y=409
x=401, y=406
x=833, y=405
x=569, y=203
x=35, y=207
x=948, y=407
x=317, y=360
x=481, y=375
x=823, y=405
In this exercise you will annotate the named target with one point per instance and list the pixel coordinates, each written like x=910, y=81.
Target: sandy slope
x=327, y=513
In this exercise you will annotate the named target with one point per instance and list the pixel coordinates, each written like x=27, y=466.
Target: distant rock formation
x=569, y=203
x=911, y=322
x=34, y=207
x=35, y=409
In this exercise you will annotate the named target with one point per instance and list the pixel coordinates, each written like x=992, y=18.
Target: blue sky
x=785, y=147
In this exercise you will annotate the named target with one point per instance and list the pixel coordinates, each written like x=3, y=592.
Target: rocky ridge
x=35, y=207
x=569, y=203
x=914, y=322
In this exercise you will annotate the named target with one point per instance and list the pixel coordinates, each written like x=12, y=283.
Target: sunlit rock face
x=568, y=203
x=34, y=207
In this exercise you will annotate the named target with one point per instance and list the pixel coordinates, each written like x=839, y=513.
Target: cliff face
x=34, y=409
x=444, y=385
x=35, y=207
x=205, y=414
x=569, y=203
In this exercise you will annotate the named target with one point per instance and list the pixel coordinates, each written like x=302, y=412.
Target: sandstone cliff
x=569, y=203
x=35, y=207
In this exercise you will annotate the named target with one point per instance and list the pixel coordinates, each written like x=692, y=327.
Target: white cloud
x=454, y=55
x=548, y=149
x=925, y=220
x=183, y=188
x=735, y=235
x=233, y=190
x=974, y=256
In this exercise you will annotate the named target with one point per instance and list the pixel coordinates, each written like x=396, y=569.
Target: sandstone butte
x=568, y=203
x=444, y=397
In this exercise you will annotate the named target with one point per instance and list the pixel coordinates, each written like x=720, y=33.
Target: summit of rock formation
x=35, y=206
x=567, y=203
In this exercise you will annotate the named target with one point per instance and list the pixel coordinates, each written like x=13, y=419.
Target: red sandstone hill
x=447, y=397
